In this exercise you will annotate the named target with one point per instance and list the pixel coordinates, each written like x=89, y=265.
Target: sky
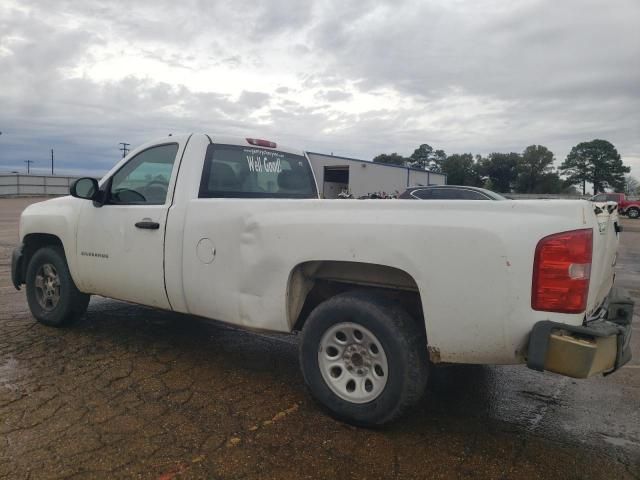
x=351, y=78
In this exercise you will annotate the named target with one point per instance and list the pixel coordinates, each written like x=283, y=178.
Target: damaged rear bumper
x=601, y=346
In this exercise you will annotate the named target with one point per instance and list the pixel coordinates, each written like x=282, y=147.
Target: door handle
x=148, y=225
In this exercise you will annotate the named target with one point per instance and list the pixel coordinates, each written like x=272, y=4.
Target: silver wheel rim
x=353, y=363
x=633, y=213
x=47, y=287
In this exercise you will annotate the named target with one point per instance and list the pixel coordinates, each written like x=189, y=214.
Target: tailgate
x=605, y=250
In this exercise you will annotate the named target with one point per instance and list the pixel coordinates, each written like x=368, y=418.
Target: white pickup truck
x=233, y=230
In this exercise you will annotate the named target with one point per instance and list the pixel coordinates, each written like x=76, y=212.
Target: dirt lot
x=132, y=392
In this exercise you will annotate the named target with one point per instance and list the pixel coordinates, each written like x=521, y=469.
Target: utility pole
x=28, y=162
x=52, y=161
x=124, y=149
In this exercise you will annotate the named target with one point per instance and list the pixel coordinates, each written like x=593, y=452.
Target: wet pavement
x=130, y=392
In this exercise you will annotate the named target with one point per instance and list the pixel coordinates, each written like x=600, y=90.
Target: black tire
x=633, y=212
x=404, y=344
x=71, y=303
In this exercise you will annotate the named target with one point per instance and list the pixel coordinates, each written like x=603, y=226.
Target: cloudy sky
x=353, y=78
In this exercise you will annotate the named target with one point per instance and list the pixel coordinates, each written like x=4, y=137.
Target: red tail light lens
x=561, y=272
x=261, y=143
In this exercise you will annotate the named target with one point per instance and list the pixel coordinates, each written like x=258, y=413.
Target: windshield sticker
x=263, y=160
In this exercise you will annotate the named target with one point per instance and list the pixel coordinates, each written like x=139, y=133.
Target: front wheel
x=363, y=358
x=52, y=295
x=633, y=212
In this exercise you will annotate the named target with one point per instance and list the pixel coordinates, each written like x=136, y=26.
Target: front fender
x=57, y=217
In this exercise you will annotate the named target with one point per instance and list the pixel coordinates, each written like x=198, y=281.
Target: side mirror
x=85, y=188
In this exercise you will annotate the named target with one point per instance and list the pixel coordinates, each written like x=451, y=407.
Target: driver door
x=120, y=246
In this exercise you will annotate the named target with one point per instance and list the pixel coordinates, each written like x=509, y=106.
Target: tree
x=426, y=157
x=461, y=170
x=631, y=186
x=438, y=158
x=551, y=182
x=597, y=162
x=488, y=184
x=392, y=159
x=500, y=169
x=576, y=168
x=535, y=170
x=421, y=156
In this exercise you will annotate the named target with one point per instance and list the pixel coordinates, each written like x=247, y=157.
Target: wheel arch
x=312, y=282
x=31, y=243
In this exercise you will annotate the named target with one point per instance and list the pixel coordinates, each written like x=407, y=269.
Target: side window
x=145, y=178
x=612, y=198
x=470, y=195
x=443, y=194
x=422, y=194
x=600, y=198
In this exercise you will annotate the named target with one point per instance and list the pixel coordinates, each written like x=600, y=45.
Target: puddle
x=8, y=373
x=619, y=442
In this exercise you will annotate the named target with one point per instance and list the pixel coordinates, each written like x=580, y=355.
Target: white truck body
x=471, y=260
x=464, y=269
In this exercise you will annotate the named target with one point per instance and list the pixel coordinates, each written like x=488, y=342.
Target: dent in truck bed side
x=469, y=299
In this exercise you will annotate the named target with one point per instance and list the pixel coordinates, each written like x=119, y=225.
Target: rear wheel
x=363, y=358
x=52, y=295
x=633, y=212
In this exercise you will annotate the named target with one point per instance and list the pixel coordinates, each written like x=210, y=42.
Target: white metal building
x=361, y=177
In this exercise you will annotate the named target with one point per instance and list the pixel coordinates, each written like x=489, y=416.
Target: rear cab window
x=252, y=172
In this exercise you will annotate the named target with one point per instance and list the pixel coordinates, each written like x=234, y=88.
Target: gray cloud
x=333, y=95
x=356, y=79
x=253, y=99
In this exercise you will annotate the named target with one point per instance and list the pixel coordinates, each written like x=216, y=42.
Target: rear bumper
x=600, y=346
x=17, y=267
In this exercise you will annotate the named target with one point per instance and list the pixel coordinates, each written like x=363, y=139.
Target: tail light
x=261, y=143
x=561, y=272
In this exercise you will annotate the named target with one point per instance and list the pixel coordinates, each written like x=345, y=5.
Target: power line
x=29, y=162
x=124, y=149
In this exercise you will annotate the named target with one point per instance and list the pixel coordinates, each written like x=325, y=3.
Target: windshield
x=250, y=172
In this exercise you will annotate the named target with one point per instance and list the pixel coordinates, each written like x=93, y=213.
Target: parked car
x=233, y=230
x=628, y=207
x=450, y=192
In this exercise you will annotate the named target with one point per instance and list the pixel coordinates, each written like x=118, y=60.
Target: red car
x=628, y=207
